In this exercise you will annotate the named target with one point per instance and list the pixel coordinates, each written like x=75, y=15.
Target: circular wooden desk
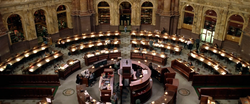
x=140, y=88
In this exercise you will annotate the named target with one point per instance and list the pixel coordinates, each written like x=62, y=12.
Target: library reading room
x=124, y=51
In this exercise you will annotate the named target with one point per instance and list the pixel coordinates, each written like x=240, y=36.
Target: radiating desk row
x=160, y=36
x=68, y=68
x=36, y=66
x=184, y=68
x=223, y=53
x=93, y=57
x=214, y=64
x=173, y=48
x=153, y=56
x=20, y=57
x=86, y=36
x=89, y=45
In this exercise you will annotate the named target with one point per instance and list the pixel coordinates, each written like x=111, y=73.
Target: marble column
x=30, y=25
x=176, y=7
x=84, y=7
x=69, y=19
x=166, y=9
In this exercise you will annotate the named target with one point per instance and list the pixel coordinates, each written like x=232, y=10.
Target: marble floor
x=190, y=97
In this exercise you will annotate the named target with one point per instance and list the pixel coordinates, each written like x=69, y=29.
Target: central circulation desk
x=139, y=88
x=106, y=85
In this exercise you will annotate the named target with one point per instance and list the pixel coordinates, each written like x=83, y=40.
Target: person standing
x=125, y=29
x=114, y=98
x=78, y=79
x=151, y=44
x=189, y=44
x=91, y=77
x=197, y=41
x=45, y=40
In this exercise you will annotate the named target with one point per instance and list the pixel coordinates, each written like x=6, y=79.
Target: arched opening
x=15, y=27
x=103, y=13
x=188, y=17
x=234, y=29
x=208, y=31
x=125, y=13
x=146, y=13
x=62, y=17
x=40, y=22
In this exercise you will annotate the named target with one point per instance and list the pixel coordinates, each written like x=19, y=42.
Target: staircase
x=125, y=96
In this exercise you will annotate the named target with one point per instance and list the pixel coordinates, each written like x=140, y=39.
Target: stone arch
x=45, y=11
x=131, y=3
x=185, y=5
x=98, y=1
x=147, y=1
x=234, y=13
x=67, y=7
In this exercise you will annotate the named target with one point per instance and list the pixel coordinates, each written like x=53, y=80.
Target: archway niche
x=15, y=28
x=125, y=13
x=188, y=17
x=234, y=28
x=40, y=22
x=208, y=31
x=103, y=13
x=62, y=17
x=146, y=12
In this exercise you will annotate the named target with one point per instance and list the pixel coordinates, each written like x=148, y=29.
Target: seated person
x=190, y=64
x=106, y=75
x=238, y=66
x=151, y=66
x=52, y=52
x=152, y=69
x=138, y=72
x=85, y=73
x=245, y=70
x=57, y=66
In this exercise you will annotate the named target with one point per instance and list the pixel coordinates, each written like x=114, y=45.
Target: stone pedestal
x=76, y=25
x=85, y=24
x=165, y=23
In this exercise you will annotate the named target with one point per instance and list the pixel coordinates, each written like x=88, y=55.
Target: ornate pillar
x=114, y=13
x=30, y=25
x=84, y=17
x=135, y=13
x=166, y=9
x=84, y=7
x=176, y=7
x=52, y=19
x=222, y=31
x=197, y=19
x=181, y=18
